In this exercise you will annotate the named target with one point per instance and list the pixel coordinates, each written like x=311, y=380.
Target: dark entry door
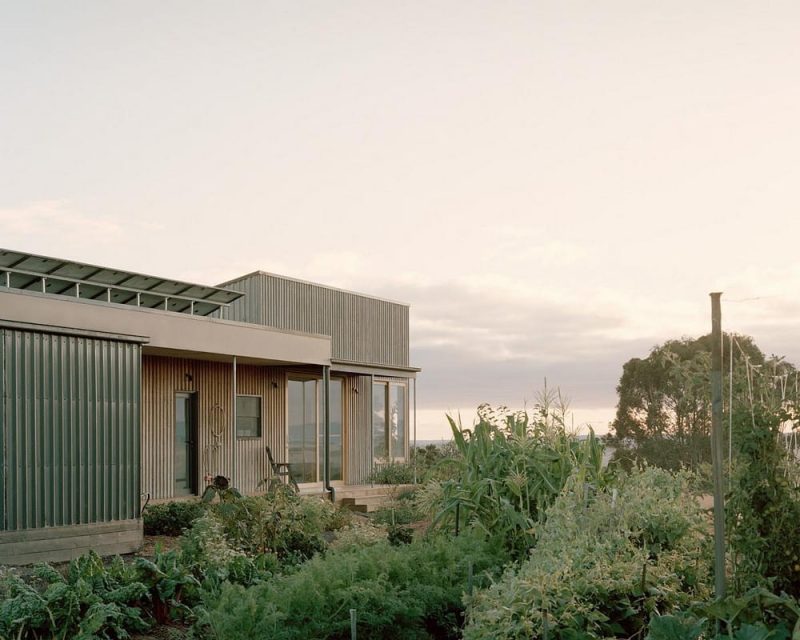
x=185, y=473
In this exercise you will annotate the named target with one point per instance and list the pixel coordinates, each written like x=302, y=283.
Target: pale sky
x=554, y=187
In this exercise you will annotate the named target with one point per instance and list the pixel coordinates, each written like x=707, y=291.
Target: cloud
x=59, y=228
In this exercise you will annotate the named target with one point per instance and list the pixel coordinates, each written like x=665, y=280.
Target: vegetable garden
x=527, y=535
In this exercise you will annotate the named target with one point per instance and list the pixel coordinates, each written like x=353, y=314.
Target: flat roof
x=178, y=334
x=31, y=272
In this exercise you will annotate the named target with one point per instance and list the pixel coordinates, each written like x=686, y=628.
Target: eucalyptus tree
x=664, y=409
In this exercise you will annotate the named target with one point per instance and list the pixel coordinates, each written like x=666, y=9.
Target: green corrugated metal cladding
x=70, y=446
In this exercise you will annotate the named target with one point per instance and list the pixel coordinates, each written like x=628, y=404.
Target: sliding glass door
x=389, y=421
x=306, y=429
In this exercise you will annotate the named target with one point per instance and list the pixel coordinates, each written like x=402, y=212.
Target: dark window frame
x=260, y=429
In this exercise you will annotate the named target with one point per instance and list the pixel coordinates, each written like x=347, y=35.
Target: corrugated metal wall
x=70, y=445
x=163, y=377
x=362, y=329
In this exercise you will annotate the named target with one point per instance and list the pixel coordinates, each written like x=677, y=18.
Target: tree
x=664, y=408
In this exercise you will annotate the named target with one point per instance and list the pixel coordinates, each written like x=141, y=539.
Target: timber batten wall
x=163, y=377
x=362, y=328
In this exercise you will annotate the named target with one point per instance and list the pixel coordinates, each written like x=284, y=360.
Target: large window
x=389, y=421
x=306, y=429
x=248, y=416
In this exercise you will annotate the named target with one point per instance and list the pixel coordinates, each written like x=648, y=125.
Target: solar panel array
x=29, y=272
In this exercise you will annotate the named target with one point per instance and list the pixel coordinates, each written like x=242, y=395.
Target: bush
x=171, y=518
x=281, y=523
x=393, y=473
x=396, y=512
x=763, y=509
x=603, y=563
x=412, y=591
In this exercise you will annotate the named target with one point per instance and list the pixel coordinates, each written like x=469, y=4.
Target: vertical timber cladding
x=163, y=377
x=362, y=328
x=70, y=416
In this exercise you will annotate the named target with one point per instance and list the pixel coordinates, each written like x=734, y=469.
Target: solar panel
x=30, y=272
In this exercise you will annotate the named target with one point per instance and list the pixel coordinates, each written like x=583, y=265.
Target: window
x=389, y=420
x=248, y=416
x=306, y=429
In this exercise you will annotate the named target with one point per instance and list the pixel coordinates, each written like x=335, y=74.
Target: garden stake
x=353, y=624
x=545, y=625
x=716, y=446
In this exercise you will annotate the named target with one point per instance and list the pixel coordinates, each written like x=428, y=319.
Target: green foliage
x=763, y=508
x=88, y=601
x=172, y=585
x=510, y=468
x=393, y=472
x=432, y=462
x=756, y=615
x=411, y=591
x=603, y=563
x=402, y=510
x=398, y=534
x=281, y=523
x=171, y=518
x=664, y=410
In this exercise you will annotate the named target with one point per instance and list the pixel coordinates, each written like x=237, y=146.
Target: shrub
x=171, y=518
x=763, y=509
x=393, y=473
x=603, y=563
x=412, y=591
x=397, y=512
x=359, y=534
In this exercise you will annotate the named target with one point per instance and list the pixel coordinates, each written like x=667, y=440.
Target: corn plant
x=511, y=466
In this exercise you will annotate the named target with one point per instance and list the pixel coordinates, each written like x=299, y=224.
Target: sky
x=554, y=187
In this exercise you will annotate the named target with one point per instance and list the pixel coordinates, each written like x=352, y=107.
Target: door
x=389, y=422
x=185, y=458
x=306, y=429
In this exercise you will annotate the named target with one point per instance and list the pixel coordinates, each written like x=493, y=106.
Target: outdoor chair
x=281, y=472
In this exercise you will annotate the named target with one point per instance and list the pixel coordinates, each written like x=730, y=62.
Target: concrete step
x=374, y=499
x=352, y=491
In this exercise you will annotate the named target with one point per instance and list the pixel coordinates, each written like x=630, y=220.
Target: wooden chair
x=281, y=472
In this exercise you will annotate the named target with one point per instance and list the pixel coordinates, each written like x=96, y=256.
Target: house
x=119, y=387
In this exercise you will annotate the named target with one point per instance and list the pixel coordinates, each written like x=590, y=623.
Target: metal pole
x=730, y=414
x=371, y=428
x=716, y=446
x=353, y=625
x=326, y=463
x=233, y=429
x=415, y=430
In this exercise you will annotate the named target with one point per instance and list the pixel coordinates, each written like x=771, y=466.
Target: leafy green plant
x=171, y=518
x=393, y=472
x=411, y=591
x=756, y=615
x=511, y=466
x=763, y=507
x=603, y=563
x=88, y=601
